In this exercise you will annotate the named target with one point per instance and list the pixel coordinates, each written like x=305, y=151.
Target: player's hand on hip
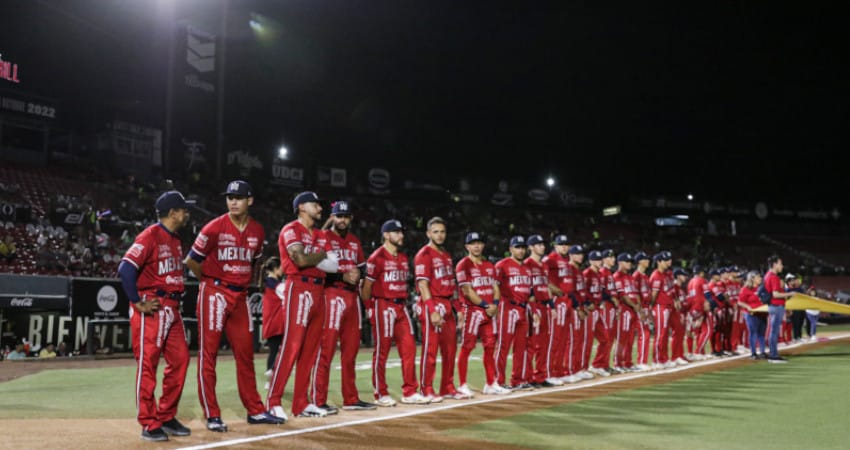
x=352, y=276
x=492, y=310
x=147, y=307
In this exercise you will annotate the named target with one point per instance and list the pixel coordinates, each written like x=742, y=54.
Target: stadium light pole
x=550, y=182
x=282, y=152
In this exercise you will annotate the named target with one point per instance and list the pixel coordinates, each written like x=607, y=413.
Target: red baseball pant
x=677, y=335
x=539, y=344
x=580, y=337
x=644, y=335
x=390, y=322
x=625, y=337
x=160, y=333
x=304, y=313
x=221, y=310
x=513, y=330
x=662, y=332
x=342, y=324
x=599, y=325
x=560, y=339
x=477, y=324
x=443, y=337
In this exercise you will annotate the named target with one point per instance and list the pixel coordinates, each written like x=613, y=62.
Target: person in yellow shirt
x=47, y=352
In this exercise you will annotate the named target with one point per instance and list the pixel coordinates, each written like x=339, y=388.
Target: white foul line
x=429, y=410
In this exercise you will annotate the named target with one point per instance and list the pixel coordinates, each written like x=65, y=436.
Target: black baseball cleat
x=155, y=435
x=545, y=384
x=215, y=424
x=265, y=418
x=331, y=410
x=175, y=428
x=360, y=406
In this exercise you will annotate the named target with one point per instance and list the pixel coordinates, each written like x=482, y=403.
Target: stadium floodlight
x=256, y=26
x=690, y=197
x=282, y=152
x=550, y=182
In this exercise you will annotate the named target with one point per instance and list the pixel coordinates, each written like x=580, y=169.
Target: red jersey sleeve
x=424, y=266
x=655, y=283
x=461, y=273
x=373, y=268
x=206, y=240
x=291, y=236
x=140, y=251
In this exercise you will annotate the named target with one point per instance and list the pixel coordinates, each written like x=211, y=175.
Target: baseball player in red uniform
x=645, y=314
x=223, y=258
x=629, y=299
x=387, y=271
x=152, y=277
x=271, y=273
x=581, y=335
x=661, y=286
x=598, y=323
x=476, y=278
x=437, y=287
x=611, y=302
x=342, y=318
x=721, y=313
x=305, y=264
x=700, y=319
x=562, y=284
x=738, y=340
x=515, y=286
x=677, y=317
x=541, y=332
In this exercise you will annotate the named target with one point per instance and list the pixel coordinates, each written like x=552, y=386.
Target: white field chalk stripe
x=429, y=410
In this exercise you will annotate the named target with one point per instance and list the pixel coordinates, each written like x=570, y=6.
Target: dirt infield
x=418, y=431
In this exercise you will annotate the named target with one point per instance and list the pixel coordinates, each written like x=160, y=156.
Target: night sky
x=629, y=99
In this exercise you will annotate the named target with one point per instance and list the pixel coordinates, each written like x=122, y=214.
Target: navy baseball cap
x=535, y=239
x=340, y=208
x=713, y=272
x=640, y=256
x=391, y=225
x=658, y=257
x=239, y=187
x=576, y=250
x=171, y=200
x=608, y=253
x=518, y=241
x=304, y=197
x=624, y=257
x=562, y=239
x=595, y=255
x=473, y=236
x=679, y=271
x=698, y=269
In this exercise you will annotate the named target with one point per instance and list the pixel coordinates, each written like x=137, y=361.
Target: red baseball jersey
x=732, y=290
x=594, y=285
x=157, y=255
x=718, y=288
x=480, y=276
x=514, y=280
x=607, y=278
x=539, y=279
x=642, y=286
x=388, y=274
x=697, y=288
x=348, y=250
x=560, y=272
x=229, y=254
x=436, y=267
x=662, y=283
x=295, y=233
x=749, y=297
x=625, y=286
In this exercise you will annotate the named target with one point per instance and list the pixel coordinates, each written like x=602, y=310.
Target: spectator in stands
x=62, y=350
x=8, y=250
x=18, y=353
x=49, y=351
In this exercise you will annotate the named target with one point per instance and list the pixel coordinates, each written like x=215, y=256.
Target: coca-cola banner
x=33, y=292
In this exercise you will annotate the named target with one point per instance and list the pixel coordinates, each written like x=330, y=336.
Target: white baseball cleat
x=278, y=412
x=555, y=381
x=464, y=389
x=585, y=375
x=571, y=378
x=600, y=372
x=643, y=368
x=669, y=365
x=681, y=361
x=385, y=401
x=313, y=411
x=416, y=399
x=495, y=389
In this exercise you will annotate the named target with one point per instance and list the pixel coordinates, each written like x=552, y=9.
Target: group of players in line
x=546, y=310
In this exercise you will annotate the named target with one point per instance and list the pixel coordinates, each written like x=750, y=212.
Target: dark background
x=727, y=100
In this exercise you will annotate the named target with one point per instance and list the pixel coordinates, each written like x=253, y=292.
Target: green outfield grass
x=110, y=392
x=802, y=404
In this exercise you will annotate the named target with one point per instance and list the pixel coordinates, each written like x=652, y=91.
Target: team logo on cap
x=397, y=223
x=234, y=186
x=342, y=206
x=473, y=236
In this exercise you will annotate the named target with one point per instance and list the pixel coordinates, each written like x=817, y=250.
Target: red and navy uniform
x=722, y=316
x=625, y=286
x=643, y=331
x=608, y=305
x=304, y=313
x=157, y=256
x=701, y=324
x=581, y=331
x=597, y=323
x=739, y=321
x=677, y=322
x=561, y=274
x=389, y=319
x=477, y=324
x=342, y=319
x=515, y=287
x=436, y=267
x=661, y=284
x=227, y=256
x=541, y=335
